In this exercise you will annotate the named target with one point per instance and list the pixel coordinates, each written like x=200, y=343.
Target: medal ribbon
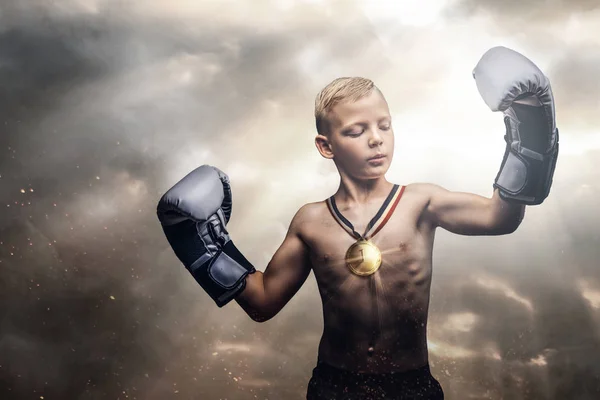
x=377, y=222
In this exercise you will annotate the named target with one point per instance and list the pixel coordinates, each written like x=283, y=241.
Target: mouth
x=377, y=157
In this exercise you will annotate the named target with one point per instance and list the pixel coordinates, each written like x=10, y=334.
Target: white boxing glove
x=509, y=82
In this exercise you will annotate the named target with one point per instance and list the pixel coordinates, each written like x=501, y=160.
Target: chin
x=374, y=173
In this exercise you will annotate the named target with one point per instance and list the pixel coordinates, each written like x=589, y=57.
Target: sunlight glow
x=592, y=295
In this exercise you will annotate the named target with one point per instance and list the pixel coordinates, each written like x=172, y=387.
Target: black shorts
x=331, y=383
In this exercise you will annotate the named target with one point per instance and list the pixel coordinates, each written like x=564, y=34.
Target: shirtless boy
x=370, y=244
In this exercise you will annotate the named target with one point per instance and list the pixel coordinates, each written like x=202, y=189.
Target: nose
x=375, y=139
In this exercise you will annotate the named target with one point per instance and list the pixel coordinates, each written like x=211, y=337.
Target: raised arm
x=267, y=293
x=511, y=83
x=468, y=213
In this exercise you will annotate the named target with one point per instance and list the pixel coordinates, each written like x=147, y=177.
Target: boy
x=370, y=244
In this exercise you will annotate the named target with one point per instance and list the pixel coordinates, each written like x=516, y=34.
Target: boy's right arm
x=193, y=215
x=267, y=293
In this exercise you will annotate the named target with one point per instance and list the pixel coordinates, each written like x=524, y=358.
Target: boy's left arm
x=470, y=214
x=511, y=83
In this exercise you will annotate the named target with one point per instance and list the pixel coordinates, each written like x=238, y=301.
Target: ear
x=324, y=146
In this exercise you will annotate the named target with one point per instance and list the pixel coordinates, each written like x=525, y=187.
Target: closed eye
x=354, y=133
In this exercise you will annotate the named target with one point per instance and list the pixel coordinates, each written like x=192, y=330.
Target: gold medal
x=363, y=257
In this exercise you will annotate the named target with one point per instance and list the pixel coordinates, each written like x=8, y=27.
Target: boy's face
x=358, y=132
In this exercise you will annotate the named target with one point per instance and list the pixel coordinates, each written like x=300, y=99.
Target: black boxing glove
x=194, y=214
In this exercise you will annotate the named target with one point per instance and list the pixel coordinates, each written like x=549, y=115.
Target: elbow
x=256, y=314
x=261, y=319
x=258, y=317
x=266, y=312
x=514, y=223
x=507, y=228
x=510, y=229
x=509, y=223
x=261, y=313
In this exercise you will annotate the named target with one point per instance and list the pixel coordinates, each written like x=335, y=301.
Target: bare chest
x=405, y=247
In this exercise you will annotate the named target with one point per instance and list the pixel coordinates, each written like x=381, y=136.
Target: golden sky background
x=106, y=104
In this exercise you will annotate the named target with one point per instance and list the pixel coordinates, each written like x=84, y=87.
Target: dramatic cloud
x=106, y=104
x=537, y=11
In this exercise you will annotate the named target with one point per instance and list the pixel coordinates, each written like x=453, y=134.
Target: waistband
x=330, y=372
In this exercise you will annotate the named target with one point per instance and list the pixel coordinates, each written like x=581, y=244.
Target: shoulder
x=424, y=196
x=307, y=215
x=421, y=190
x=310, y=211
x=305, y=222
x=424, y=191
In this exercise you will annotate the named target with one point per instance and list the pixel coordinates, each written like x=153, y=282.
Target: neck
x=361, y=191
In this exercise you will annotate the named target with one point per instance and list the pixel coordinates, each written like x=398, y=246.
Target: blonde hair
x=339, y=90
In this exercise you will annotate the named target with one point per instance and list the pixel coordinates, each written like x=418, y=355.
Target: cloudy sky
x=105, y=104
